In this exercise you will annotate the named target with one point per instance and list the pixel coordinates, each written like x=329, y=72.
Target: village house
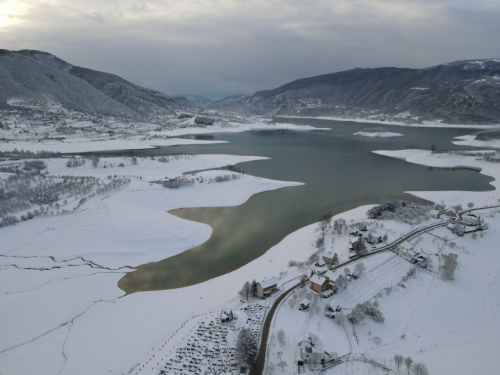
x=405, y=250
x=435, y=214
x=266, y=287
x=332, y=309
x=330, y=258
x=333, y=278
x=320, y=263
x=353, y=242
x=311, y=351
x=456, y=228
x=473, y=220
x=375, y=238
x=318, y=283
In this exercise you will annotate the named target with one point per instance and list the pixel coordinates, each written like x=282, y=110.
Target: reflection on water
x=340, y=173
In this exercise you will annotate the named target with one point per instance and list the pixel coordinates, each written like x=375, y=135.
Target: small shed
x=304, y=305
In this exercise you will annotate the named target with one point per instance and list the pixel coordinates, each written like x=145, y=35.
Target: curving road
x=258, y=366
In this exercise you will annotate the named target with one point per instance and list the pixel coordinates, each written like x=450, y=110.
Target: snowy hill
x=37, y=79
x=461, y=92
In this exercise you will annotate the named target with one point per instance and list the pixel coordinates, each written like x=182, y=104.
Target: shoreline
x=81, y=145
x=428, y=124
x=153, y=316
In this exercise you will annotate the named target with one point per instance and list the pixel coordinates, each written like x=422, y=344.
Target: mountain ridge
x=31, y=76
x=466, y=91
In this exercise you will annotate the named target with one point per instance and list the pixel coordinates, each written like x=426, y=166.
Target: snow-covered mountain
x=466, y=92
x=37, y=79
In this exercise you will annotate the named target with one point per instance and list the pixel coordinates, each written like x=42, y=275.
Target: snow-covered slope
x=35, y=79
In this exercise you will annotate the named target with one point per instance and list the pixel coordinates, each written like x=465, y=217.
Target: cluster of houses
x=407, y=251
x=470, y=223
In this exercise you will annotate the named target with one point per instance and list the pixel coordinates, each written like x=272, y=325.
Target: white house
x=435, y=214
x=266, y=287
x=375, y=238
x=473, y=220
x=311, y=351
x=405, y=250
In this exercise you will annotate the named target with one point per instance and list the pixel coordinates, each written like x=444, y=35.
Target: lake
x=339, y=170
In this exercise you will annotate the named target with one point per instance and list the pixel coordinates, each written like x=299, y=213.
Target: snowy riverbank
x=153, y=139
x=423, y=124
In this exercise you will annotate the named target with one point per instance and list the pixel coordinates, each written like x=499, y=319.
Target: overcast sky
x=224, y=47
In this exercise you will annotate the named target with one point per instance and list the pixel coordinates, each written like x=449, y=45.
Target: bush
x=401, y=211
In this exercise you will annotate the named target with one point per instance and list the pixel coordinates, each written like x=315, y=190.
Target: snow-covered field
x=59, y=274
x=66, y=315
x=153, y=139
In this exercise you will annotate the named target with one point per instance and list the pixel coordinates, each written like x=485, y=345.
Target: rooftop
x=266, y=283
x=320, y=280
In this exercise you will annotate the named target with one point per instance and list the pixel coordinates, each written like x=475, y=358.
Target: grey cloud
x=225, y=47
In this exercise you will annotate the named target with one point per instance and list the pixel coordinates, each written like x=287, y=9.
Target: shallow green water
x=340, y=172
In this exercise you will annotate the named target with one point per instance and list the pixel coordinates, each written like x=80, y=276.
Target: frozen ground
x=451, y=326
x=59, y=274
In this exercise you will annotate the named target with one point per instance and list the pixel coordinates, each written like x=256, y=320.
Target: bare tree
x=359, y=268
x=246, y=290
x=420, y=369
x=470, y=204
x=134, y=160
x=270, y=368
x=281, y=337
x=408, y=363
x=325, y=222
x=433, y=148
x=398, y=359
x=95, y=161
x=449, y=266
x=282, y=364
x=347, y=271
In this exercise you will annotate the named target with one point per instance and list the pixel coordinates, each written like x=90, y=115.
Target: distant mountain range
x=463, y=92
x=36, y=79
